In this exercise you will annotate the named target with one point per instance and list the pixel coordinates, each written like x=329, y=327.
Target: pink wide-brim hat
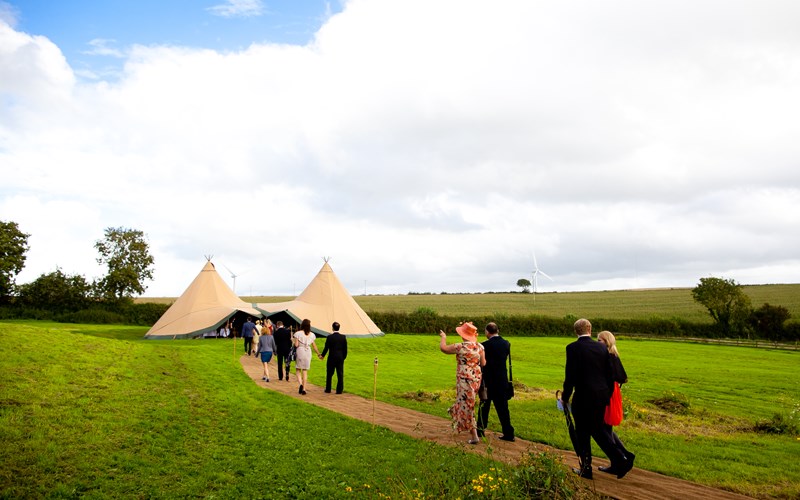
x=468, y=331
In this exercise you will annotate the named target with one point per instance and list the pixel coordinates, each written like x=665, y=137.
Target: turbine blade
x=545, y=275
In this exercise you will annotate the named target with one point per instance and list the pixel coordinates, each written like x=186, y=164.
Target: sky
x=420, y=146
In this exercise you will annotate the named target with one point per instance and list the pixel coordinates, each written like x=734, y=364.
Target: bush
x=544, y=475
x=779, y=424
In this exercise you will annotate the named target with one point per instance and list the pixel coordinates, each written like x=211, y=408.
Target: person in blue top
x=247, y=333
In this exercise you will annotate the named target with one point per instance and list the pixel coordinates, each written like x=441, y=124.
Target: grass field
x=98, y=411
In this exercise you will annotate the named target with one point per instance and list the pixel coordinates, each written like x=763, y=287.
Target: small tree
x=56, y=292
x=13, y=247
x=525, y=284
x=767, y=321
x=726, y=303
x=127, y=255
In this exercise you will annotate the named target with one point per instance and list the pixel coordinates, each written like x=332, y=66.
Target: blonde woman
x=303, y=343
x=256, y=336
x=620, y=377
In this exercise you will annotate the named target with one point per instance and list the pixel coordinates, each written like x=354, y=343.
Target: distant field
x=625, y=304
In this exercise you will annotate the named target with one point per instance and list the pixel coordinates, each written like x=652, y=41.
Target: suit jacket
x=283, y=340
x=336, y=343
x=588, y=373
x=495, y=375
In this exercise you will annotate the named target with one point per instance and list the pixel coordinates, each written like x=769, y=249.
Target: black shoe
x=327, y=391
x=300, y=390
x=585, y=473
x=624, y=468
x=339, y=392
x=607, y=470
x=507, y=438
x=303, y=393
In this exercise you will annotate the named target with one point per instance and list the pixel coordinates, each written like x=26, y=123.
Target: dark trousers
x=338, y=367
x=501, y=407
x=589, y=425
x=281, y=360
x=248, y=345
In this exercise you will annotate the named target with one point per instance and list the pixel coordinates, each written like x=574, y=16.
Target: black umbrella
x=570, y=427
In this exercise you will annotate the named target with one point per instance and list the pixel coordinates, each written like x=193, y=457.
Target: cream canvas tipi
x=206, y=305
x=324, y=301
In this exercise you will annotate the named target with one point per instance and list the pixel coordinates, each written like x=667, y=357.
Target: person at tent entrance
x=303, y=343
x=588, y=372
x=283, y=341
x=336, y=343
x=247, y=334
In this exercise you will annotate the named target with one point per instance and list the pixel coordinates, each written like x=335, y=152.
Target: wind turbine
x=233, y=275
x=535, y=274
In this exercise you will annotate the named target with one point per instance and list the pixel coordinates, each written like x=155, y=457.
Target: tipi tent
x=324, y=301
x=206, y=305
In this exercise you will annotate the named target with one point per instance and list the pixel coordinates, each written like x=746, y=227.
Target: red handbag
x=613, y=415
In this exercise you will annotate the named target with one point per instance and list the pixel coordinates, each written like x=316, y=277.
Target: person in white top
x=303, y=342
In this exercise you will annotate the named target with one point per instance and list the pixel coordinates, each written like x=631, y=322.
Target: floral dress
x=468, y=380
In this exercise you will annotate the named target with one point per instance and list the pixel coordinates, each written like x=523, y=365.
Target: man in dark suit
x=283, y=341
x=336, y=343
x=247, y=334
x=588, y=373
x=495, y=377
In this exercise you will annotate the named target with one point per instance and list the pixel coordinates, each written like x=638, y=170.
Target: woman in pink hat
x=471, y=358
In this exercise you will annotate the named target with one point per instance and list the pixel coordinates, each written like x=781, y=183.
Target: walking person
x=470, y=358
x=620, y=377
x=336, y=343
x=247, y=334
x=256, y=336
x=303, y=343
x=495, y=378
x=283, y=341
x=588, y=373
x=266, y=347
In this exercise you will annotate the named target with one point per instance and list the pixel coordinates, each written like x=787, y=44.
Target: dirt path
x=638, y=484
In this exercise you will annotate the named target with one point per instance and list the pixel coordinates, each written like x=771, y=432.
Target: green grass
x=664, y=303
x=728, y=390
x=96, y=411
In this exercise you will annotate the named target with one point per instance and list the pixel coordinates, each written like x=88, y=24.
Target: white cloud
x=427, y=146
x=104, y=47
x=238, y=8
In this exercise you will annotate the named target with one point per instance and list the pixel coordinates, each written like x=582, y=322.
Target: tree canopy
x=525, y=284
x=13, y=247
x=726, y=302
x=126, y=253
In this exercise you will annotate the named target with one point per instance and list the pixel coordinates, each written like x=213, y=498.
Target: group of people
x=591, y=371
x=297, y=347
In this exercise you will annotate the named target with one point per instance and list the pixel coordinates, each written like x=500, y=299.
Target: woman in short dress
x=470, y=357
x=303, y=342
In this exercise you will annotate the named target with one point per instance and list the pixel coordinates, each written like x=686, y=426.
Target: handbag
x=483, y=392
x=510, y=388
x=613, y=414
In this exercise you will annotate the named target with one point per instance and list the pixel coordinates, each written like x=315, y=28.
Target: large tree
x=13, y=246
x=726, y=302
x=126, y=253
x=525, y=284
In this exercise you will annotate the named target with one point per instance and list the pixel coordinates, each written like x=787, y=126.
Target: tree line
x=61, y=296
x=126, y=255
